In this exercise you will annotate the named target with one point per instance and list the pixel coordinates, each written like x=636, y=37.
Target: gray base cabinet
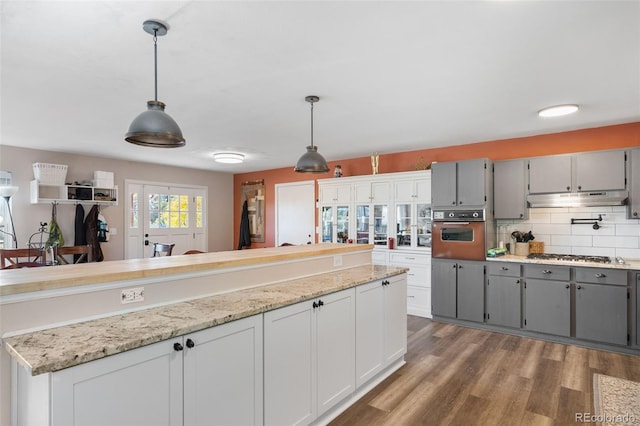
x=601, y=305
x=634, y=190
x=443, y=287
x=548, y=306
x=470, y=291
x=503, y=301
x=601, y=313
x=457, y=289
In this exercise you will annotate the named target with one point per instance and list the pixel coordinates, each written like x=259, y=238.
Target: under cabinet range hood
x=579, y=199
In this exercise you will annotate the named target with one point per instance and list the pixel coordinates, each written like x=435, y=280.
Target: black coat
x=91, y=230
x=245, y=232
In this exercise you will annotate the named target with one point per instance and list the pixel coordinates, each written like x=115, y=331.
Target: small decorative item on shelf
x=422, y=165
x=375, y=162
x=337, y=172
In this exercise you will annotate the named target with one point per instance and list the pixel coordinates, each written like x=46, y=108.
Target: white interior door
x=165, y=214
x=295, y=212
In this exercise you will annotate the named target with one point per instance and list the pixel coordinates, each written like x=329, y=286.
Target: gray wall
x=27, y=216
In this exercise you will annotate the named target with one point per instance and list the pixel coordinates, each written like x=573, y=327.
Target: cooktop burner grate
x=569, y=257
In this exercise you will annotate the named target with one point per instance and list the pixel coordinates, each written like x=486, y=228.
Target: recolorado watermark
x=606, y=418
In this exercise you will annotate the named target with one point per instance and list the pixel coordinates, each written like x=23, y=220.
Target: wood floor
x=463, y=376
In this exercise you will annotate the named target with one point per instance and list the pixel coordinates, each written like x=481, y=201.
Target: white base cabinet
x=300, y=364
x=309, y=358
x=217, y=381
x=381, y=326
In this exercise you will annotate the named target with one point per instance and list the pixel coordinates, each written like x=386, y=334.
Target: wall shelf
x=72, y=194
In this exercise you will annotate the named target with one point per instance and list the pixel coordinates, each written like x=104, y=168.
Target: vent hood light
x=558, y=110
x=580, y=199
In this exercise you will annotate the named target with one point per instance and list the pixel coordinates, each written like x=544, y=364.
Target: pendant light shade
x=154, y=127
x=311, y=161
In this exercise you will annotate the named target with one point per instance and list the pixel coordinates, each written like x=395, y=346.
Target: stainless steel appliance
x=461, y=234
x=569, y=257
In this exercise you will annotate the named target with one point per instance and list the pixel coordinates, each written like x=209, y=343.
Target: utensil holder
x=522, y=249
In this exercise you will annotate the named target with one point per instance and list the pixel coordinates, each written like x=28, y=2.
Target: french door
x=158, y=213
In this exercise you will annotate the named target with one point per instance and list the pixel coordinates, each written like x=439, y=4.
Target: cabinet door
x=371, y=192
x=601, y=171
x=138, y=387
x=443, y=287
x=363, y=224
x=470, y=291
x=404, y=190
x=289, y=363
x=380, y=192
x=369, y=326
x=601, y=313
x=503, y=301
x=471, y=182
x=223, y=374
x=634, y=193
x=334, y=193
x=547, y=306
x=550, y=174
x=509, y=190
x=423, y=190
x=395, y=318
x=335, y=342
x=443, y=184
x=327, y=222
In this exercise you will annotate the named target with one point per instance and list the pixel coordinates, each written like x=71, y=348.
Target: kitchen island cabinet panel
x=309, y=358
x=141, y=387
x=381, y=326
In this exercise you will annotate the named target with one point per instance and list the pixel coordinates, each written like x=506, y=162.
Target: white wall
x=617, y=235
x=81, y=167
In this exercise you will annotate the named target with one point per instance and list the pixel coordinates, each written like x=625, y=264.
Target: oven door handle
x=455, y=223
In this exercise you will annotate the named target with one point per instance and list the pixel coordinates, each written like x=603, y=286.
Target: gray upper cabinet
x=634, y=193
x=461, y=183
x=601, y=171
x=548, y=175
x=509, y=189
x=584, y=172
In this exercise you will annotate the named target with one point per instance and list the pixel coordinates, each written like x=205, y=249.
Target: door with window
x=164, y=214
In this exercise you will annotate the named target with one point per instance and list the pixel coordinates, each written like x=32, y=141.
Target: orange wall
x=610, y=137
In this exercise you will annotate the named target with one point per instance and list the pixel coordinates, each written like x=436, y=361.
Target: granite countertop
x=62, y=347
x=629, y=263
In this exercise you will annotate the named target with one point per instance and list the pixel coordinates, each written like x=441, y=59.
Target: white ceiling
x=391, y=75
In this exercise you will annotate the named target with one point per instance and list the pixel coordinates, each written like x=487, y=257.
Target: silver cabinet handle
x=504, y=268
x=601, y=276
x=546, y=271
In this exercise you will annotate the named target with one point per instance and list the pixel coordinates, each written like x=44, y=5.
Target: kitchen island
x=334, y=286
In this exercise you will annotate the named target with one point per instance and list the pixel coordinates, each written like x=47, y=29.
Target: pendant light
x=311, y=161
x=154, y=127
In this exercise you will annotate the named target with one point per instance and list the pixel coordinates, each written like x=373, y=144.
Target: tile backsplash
x=617, y=236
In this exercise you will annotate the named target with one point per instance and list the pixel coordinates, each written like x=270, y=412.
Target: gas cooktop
x=569, y=257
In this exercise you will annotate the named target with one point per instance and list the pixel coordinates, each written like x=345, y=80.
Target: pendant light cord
x=311, y=123
x=155, y=62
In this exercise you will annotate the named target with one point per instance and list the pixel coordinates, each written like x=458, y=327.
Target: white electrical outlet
x=337, y=260
x=132, y=295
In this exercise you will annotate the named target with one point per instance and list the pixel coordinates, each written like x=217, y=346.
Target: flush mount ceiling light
x=558, y=110
x=154, y=127
x=311, y=161
x=228, y=157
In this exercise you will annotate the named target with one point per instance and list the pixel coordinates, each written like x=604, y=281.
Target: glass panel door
x=403, y=225
x=424, y=225
x=342, y=222
x=380, y=224
x=327, y=224
x=362, y=224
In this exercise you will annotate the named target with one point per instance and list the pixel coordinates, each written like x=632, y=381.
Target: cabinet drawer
x=419, y=299
x=418, y=276
x=504, y=269
x=601, y=276
x=378, y=258
x=408, y=258
x=547, y=272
